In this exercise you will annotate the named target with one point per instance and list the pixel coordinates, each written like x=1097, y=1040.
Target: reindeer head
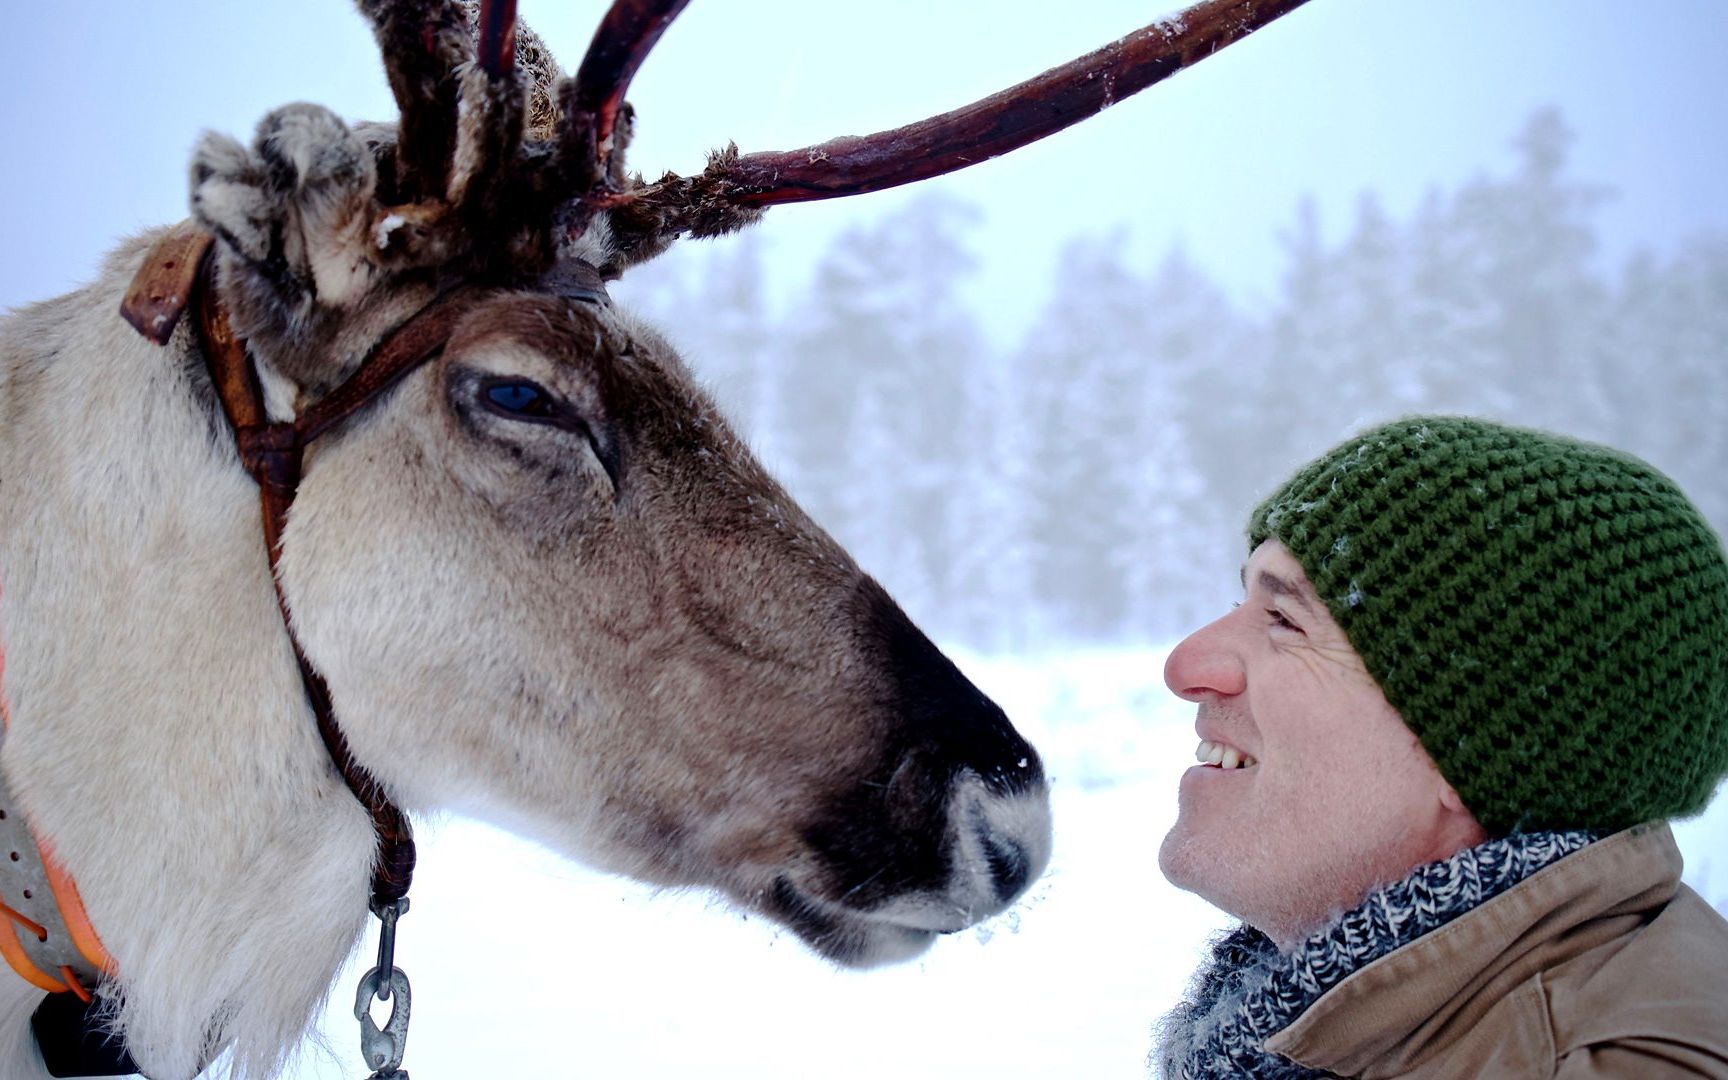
x=541, y=576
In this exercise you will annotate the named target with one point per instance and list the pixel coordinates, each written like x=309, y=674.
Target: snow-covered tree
x=885, y=339
x=1092, y=485
x=1184, y=500
x=1084, y=375
x=1663, y=357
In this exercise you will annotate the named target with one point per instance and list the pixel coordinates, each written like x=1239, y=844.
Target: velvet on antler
x=474, y=190
x=423, y=42
x=464, y=194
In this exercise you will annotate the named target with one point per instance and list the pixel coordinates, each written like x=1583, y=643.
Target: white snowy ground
x=526, y=965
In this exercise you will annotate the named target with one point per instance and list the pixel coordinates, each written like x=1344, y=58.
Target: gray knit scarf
x=1247, y=991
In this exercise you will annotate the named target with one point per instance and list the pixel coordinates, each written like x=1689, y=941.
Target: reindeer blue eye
x=522, y=398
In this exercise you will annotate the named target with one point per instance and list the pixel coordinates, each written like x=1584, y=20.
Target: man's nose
x=1205, y=665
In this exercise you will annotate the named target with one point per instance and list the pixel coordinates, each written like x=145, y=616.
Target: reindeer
x=394, y=509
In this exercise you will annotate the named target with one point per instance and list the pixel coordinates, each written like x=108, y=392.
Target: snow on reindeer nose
x=1225, y=757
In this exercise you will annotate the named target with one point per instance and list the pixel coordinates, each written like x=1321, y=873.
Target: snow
x=382, y=233
x=525, y=964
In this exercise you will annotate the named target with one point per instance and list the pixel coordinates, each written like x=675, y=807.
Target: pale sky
x=102, y=102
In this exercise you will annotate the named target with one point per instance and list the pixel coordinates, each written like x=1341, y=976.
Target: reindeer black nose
x=1010, y=865
x=957, y=796
x=947, y=718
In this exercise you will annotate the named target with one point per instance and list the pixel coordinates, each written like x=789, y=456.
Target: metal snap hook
x=382, y=1047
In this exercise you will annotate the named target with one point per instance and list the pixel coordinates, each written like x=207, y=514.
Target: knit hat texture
x=1550, y=617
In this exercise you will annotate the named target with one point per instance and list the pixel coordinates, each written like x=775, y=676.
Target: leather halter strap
x=272, y=453
x=179, y=271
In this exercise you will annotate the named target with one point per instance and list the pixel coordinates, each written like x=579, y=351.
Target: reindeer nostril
x=1010, y=867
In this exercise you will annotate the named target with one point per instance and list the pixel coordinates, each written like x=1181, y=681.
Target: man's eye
x=1280, y=621
x=520, y=399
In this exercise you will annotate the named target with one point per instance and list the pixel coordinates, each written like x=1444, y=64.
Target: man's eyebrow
x=1280, y=587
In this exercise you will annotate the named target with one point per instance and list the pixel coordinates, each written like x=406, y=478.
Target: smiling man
x=1475, y=670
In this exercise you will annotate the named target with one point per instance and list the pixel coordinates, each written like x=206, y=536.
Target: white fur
x=159, y=736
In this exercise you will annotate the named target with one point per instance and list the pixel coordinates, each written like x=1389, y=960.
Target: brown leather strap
x=163, y=286
x=272, y=453
x=276, y=473
x=407, y=347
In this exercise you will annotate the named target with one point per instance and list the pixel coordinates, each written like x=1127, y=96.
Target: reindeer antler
x=423, y=43
x=497, y=34
x=462, y=159
x=594, y=98
x=714, y=201
x=1002, y=122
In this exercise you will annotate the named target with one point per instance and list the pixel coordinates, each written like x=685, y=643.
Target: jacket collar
x=1406, y=1006
x=1249, y=991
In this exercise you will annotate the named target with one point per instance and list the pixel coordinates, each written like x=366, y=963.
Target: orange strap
x=72, y=913
x=13, y=950
x=66, y=900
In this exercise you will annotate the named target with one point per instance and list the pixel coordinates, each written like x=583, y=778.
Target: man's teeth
x=1225, y=757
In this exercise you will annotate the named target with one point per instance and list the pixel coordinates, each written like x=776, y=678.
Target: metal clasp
x=383, y=1047
x=387, y=916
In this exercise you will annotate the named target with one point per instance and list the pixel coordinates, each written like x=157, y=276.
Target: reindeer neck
x=273, y=454
x=159, y=735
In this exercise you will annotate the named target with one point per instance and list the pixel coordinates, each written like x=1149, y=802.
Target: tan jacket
x=1601, y=965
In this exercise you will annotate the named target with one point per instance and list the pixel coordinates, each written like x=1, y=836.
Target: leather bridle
x=272, y=453
x=180, y=271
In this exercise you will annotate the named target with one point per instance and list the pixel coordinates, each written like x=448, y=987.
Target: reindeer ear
x=295, y=208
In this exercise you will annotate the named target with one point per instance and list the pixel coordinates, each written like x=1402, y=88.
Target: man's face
x=1336, y=795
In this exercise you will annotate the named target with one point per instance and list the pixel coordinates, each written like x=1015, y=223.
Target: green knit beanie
x=1550, y=617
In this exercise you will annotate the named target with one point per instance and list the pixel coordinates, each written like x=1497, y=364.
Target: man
x=1475, y=670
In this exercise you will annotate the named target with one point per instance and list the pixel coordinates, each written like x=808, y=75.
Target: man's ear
x=1459, y=821
x=1451, y=800
x=1469, y=831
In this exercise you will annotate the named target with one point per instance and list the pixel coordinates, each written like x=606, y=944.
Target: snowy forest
x=1088, y=483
